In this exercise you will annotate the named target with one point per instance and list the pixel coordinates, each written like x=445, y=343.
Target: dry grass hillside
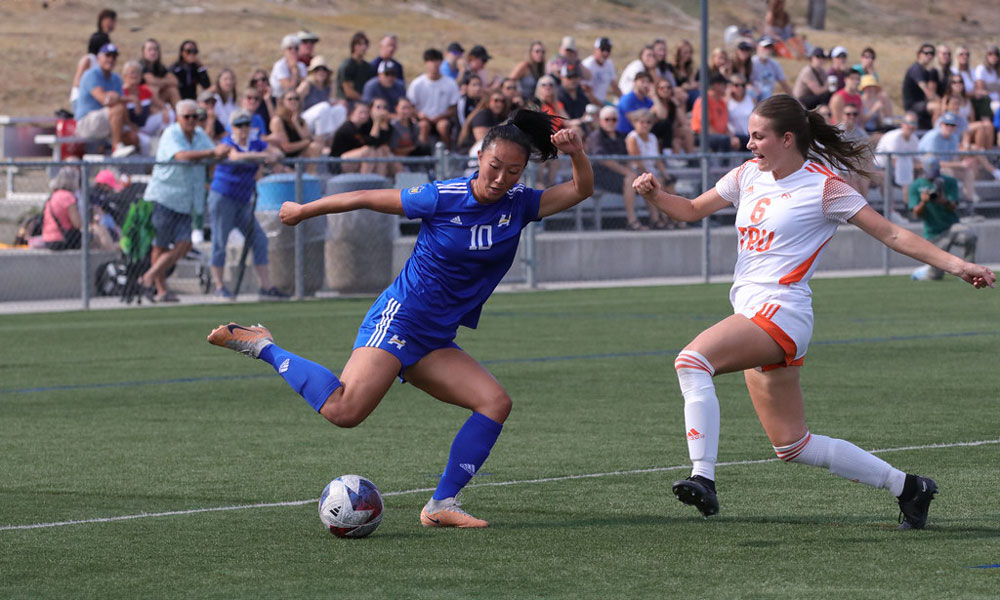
x=41, y=40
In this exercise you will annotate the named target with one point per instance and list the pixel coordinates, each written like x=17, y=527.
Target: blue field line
x=498, y=361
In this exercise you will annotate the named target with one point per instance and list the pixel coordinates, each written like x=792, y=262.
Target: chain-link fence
x=137, y=231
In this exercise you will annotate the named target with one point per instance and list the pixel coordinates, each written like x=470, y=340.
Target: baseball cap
x=569, y=70
x=206, y=95
x=108, y=48
x=603, y=43
x=765, y=41
x=480, y=53
x=307, y=36
x=932, y=167
x=868, y=81
x=456, y=48
x=289, y=41
x=318, y=62
x=949, y=118
x=817, y=52
x=744, y=45
x=107, y=177
x=389, y=67
x=240, y=117
x=838, y=51
x=568, y=43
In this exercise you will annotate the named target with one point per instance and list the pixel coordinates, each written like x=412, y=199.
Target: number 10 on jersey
x=482, y=237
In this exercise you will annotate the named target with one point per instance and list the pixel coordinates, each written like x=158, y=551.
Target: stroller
x=120, y=277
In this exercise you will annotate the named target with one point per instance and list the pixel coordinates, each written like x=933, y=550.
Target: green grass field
x=129, y=413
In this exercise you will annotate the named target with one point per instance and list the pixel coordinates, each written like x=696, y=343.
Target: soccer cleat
x=248, y=340
x=913, y=511
x=699, y=492
x=448, y=513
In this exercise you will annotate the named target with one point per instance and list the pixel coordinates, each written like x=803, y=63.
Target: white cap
x=290, y=41
x=568, y=43
x=837, y=51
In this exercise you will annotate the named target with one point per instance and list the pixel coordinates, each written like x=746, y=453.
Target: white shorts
x=783, y=313
x=95, y=124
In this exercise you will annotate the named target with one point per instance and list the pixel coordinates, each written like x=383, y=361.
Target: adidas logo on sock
x=284, y=365
x=694, y=434
x=468, y=468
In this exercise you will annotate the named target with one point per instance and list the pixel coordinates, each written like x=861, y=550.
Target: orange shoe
x=448, y=513
x=248, y=340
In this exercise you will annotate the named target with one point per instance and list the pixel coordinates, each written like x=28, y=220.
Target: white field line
x=194, y=511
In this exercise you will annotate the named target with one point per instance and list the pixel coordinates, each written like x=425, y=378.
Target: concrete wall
x=45, y=274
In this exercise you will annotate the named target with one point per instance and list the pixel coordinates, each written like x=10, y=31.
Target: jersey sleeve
x=531, y=200
x=841, y=201
x=729, y=186
x=419, y=202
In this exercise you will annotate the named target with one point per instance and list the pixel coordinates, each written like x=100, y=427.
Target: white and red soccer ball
x=351, y=506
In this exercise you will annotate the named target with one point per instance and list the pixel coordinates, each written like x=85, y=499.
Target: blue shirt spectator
x=179, y=187
x=633, y=101
x=942, y=140
x=236, y=180
x=95, y=78
x=387, y=85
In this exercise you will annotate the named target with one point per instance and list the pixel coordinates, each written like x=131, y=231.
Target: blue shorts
x=171, y=226
x=381, y=329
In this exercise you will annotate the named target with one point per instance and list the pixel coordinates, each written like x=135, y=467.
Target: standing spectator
x=289, y=131
x=919, y=86
x=849, y=95
x=942, y=70
x=179, y=194
x=435, y=98
x=633, y=100
x=838, y=68
x=491, y=111
x=230, y=208
x=387, y=52
x=963, y=68
x=743, y=65
x=902, y=139
x=719, y=137
x=157, y=76
x=226, y=95
x=811, y=84
x=106, y=20
x=189, y=72
x=320, y=112
x=476, y=63
x=61, y=220
x=646, y=63
x=934, y=200
x=603, y=78
x=287, y=72
x=367, y=133
x=208, y=119
x=672, y=125
x=265, y=103
x=100, y=110
x=354, y=72
x=641, y=142
x=529, y=71
x=454, y=63
x=739, y=104
x=876, y=108
x=307, y=46
x=610, y=175
x=987, y=77
x=387, y=85
x=473, y=93
x=766, y=71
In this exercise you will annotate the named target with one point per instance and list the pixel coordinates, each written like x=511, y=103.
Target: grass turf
x=106, y=414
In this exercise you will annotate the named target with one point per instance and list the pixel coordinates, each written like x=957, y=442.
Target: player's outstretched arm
x=647, y=185
x=383, y=201
x=914, y=246
x=565, y=195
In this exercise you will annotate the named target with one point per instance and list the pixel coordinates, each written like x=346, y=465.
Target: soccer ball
x=351, y=506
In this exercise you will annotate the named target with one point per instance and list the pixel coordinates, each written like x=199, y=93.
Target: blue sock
x=312, y=381
x=469, y=451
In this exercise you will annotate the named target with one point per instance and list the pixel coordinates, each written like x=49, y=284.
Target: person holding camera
x=934, y=200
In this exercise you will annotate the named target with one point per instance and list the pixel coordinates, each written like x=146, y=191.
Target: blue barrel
x=280, y=187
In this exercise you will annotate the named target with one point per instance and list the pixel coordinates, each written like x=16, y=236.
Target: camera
x=938, y=190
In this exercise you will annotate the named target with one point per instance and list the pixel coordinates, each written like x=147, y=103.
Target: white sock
x=844, y=459
x=701, y=411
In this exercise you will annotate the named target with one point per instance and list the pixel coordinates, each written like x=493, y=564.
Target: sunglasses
x=610, y=119
x=734, y=84
x=241, y=125
x=190, y=51
x=850, y=114
x=949, y=124
x=188, y=116
x=929, y=52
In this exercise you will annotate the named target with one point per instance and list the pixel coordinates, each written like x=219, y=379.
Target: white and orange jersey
x=784, y=225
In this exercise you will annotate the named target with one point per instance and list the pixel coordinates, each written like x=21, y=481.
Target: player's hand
x=978, y=276
x=290, y=213
x=646, y=184
x=567, y=141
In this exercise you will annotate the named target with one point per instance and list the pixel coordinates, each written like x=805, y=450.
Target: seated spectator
x=321, y=112
x=671, y=125
x=718, y=63
x=942, y=66
x=824, y=111
x=685, y=70
x=226, y=95
x=573, y=99
x=987, y=77
x=230, y=208
x=567, y=56
x=546, y=95
x=920, y=89
x=638, y=97
x=158, y=77
x=646, y=63
x=611, y=175
x=491, y=111
x=742, y=64
x=61, y=221
x=106, y=20
x=307, y=46
x=963, y=68
x=470, y=97
x=105, y=199
x=934, y=200
x=943, y=141
x=511, y=90
x=603, y=77
x=838, y=68
x=317, y=87
x=208, y=120
x=250, y=101
x=287, y=72
x=876, y=108
x=435, y=98
x=454, y=62
x=719, y=137
x=100, y=110
x=385, y=85
x=867, y=64
x=387, y=52
x=641, y=142
x=811, y=84
x=970, y=134
x=778, y=25
x=663, y=70
x=529, y=71
x=849, y=95
x=407, y=137
x=365, y=134
x=259, y=82
x=739, y=104
x=355, y=71
x=902, y=139
x=476, y=63
x=766, y=72
x=853, y=131
x=189, y=71
x=179, y=193
x=289, y=132
x=147, y=114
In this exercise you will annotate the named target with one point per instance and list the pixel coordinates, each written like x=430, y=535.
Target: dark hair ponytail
x=814, y=137
x=530, y=129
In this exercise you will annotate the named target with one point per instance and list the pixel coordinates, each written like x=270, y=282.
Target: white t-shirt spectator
x=432, y=97
x=739, y=115
x=893, y=141
x=991, y=79
x=765, y=75
x=280, y=71
x=601, y=77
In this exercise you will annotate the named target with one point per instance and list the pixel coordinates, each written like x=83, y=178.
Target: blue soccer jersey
x=462, y=252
